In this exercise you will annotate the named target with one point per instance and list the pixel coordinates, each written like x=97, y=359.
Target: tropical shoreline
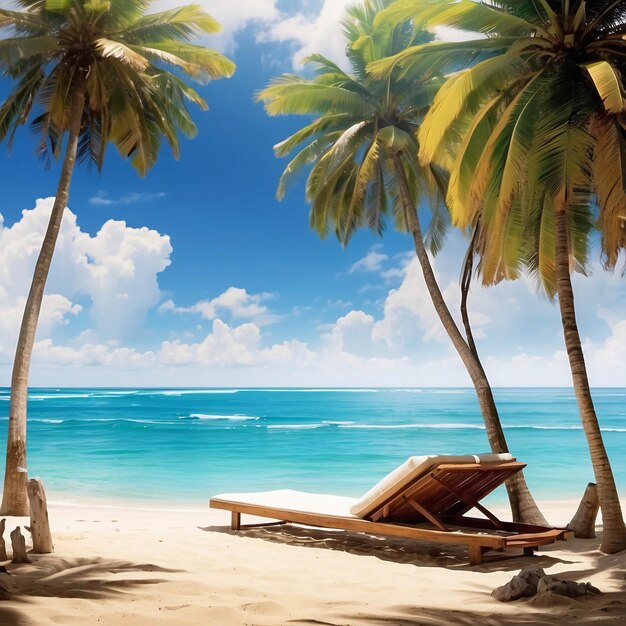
x=144, y=566
x=152, y=444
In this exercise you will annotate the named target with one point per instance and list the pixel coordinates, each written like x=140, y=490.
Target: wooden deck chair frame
x=431, y=507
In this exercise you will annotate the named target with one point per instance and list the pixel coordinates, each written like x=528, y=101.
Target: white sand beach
x=117, y=566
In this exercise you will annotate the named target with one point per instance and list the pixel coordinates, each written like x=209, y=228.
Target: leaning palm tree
x=94, y=70
x=363, y=151
x=533, y=135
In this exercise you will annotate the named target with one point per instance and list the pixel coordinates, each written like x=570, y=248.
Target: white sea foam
x=468, y=427
x=49, y=421
x=306, y=390
x=296, y=426
x=203, y=416
x=186, y=392
x=337, y=422
x=414, y=426
x=59, y=396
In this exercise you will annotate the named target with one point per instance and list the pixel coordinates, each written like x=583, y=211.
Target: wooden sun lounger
x=430, y=508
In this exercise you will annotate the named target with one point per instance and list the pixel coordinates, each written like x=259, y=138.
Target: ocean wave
x=306, y=390
x=337, y=422
x=414, y=426
x=471, y=427
x=203, y=416
x=103, y=420
x=186, y=392
x=296, y=426
x=59, y=396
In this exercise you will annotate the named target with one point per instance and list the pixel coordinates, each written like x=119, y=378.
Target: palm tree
x=94, y=70
x=533, y=135
x=363, y=151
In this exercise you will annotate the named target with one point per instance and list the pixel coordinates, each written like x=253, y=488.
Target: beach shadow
x=605, y=610
x=9, y=616
x=89, y=578
x=394, y=549
x=51, y=576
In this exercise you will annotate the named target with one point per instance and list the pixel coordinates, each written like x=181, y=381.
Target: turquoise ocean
x=180, y=446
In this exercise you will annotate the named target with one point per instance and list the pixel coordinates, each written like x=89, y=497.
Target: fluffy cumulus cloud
x=311, y=29
x=102, y=286
x=518, y=331
x=113, y=272
x=235, y=302
x=232, y=16
x=371, y=262
x=305, y=26
x=226, y=347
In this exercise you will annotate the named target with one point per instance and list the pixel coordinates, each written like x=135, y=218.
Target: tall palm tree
x=363, y=151
x=96, y=71
x=533, y=135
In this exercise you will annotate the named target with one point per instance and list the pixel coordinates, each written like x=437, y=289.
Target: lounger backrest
x=467, y=473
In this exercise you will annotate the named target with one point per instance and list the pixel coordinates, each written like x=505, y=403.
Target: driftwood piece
x=39, y=522
x=3, y=547
x=584, y=521
x=19, y=547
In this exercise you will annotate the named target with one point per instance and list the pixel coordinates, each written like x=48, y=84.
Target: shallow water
x=183, y=445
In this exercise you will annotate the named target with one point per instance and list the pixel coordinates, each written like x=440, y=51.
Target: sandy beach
x=124, y=566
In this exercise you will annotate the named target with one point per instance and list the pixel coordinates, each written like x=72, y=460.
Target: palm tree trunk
x=523, y=506
x=466, y=281
x=614, y=531
x=14, y=497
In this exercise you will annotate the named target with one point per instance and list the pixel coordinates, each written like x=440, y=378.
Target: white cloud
x=371, y=262
x=228, y=347
x=339, y=304
x=116, y=270
x=101, y=199
x=101, y=286
x=237, y=302
x=311, y=31
x=232, y=16
x=223, y=347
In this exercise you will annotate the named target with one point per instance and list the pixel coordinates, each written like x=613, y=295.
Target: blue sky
x=196, y=275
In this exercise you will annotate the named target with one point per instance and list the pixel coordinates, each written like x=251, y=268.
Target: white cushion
x=411, y=469
x=294, y=501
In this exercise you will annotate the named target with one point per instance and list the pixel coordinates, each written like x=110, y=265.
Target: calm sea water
x=182, y=445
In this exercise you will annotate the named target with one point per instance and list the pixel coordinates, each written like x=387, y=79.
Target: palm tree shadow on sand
x=611, y=613
x=50, y=576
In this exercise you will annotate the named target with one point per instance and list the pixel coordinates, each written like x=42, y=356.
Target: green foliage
x=120, y=56
x=530, y=121
x=358, y=122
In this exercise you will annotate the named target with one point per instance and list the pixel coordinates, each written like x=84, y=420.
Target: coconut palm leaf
x=132, y=100
x=348, y=142
x=532, y=131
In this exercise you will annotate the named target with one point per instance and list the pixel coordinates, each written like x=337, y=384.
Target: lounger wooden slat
x=359, y=525
x=429, y=504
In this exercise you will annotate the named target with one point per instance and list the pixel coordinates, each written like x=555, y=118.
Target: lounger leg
x=475, y=555
x=529, y=551
x=235, y=520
